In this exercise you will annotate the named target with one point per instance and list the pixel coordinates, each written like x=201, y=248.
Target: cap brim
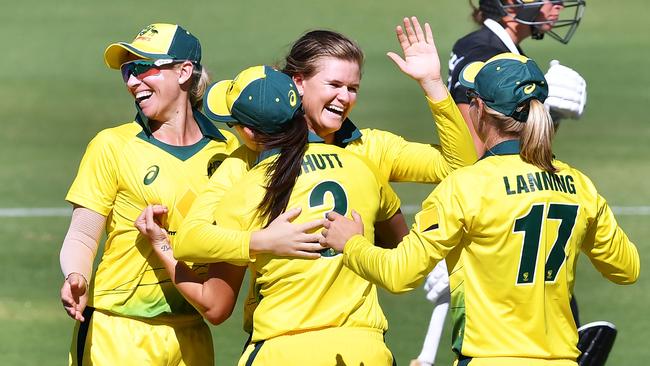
x=215, y=105
x=118, y=53
x=468, y=74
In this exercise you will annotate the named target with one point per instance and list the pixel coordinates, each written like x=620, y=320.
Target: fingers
x=402, y=38
x=311, y=225
x=159, y=209
x=307, y=255
x=398, y=60
x=356, y=217
x=333, y=215
x=290, y=215
x=429, y=34
x=410, y=32
x=418, y=29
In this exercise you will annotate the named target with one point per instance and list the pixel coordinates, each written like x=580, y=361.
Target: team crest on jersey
x=215, y=162
x=152, y=174
x=428, y=219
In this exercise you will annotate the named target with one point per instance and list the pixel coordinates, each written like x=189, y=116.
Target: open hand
x=284, y=238
x=421, y=61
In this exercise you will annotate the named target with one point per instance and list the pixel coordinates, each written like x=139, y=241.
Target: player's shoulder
x=117, y=135
x=375, y=137
x=577, y=176
x=479, y=45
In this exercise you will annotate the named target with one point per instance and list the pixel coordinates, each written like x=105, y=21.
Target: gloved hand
x=567, y=92
x=437, y=283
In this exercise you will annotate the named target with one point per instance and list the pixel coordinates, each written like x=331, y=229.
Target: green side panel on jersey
x=458, y=317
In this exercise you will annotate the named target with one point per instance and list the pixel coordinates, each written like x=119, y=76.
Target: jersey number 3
x=317, y=199
x=531, y=226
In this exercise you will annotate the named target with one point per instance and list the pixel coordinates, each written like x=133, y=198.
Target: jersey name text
x=539, y=181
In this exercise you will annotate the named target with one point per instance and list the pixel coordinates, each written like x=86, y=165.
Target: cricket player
x=314, y=312
x=129, y=311
x=504, y=25
x=510, y=228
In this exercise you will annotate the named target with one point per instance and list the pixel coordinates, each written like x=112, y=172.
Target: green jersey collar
x=346, y=134
x=207, y=128
x=508, y=147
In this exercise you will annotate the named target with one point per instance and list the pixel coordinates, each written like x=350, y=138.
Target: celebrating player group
x=304, y=205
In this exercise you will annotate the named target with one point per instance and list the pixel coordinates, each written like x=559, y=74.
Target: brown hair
x=282, y=173
x=314, y=45
x=535, y=134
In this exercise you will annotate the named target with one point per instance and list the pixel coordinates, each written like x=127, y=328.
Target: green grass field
x=55, y=94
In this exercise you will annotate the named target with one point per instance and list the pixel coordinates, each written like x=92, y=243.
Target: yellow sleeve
x=199, y=239
x=95, y=186
x=405, y=161
x=457, y=146
x=609, y=249
x=438, y=228
x=389, y=202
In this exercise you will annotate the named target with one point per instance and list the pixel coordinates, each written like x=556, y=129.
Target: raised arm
x=422, y=63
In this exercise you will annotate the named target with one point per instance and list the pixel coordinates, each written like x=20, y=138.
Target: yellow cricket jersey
x=396, y=160
x=296, y=294
x=511, y=234
x=122, y=171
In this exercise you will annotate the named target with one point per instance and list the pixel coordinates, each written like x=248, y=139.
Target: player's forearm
x=397, y=270
x=202, y=241
x=81, y=242
x=457, y=144
x=617, y=260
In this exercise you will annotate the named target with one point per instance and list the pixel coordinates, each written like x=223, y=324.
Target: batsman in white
x=504, y=24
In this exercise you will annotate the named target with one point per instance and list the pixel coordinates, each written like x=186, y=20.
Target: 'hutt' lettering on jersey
x=314, y=162
x=539, y=181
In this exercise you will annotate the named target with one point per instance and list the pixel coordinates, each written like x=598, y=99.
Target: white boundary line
x=407, y=209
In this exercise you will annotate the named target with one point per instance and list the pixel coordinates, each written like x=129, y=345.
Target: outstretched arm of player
x=76, y=258
x=421, y=62
x=213, y=297
x=567, y=92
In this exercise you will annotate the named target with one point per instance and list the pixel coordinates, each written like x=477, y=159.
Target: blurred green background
x=56, y=93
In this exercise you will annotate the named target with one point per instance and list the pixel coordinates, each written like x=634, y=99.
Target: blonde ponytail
x=200, y=82
x=535, y=135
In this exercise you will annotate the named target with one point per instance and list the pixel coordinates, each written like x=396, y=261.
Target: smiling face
x=160, y=95
x=329, y=95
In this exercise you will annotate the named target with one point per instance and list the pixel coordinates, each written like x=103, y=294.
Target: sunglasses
x=140, y=69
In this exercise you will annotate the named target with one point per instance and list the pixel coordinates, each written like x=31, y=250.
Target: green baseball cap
x=259, y=97
x=505, y=82
x=155, y=41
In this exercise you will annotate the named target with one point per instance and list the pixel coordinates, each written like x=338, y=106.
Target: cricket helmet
x=527, y=11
